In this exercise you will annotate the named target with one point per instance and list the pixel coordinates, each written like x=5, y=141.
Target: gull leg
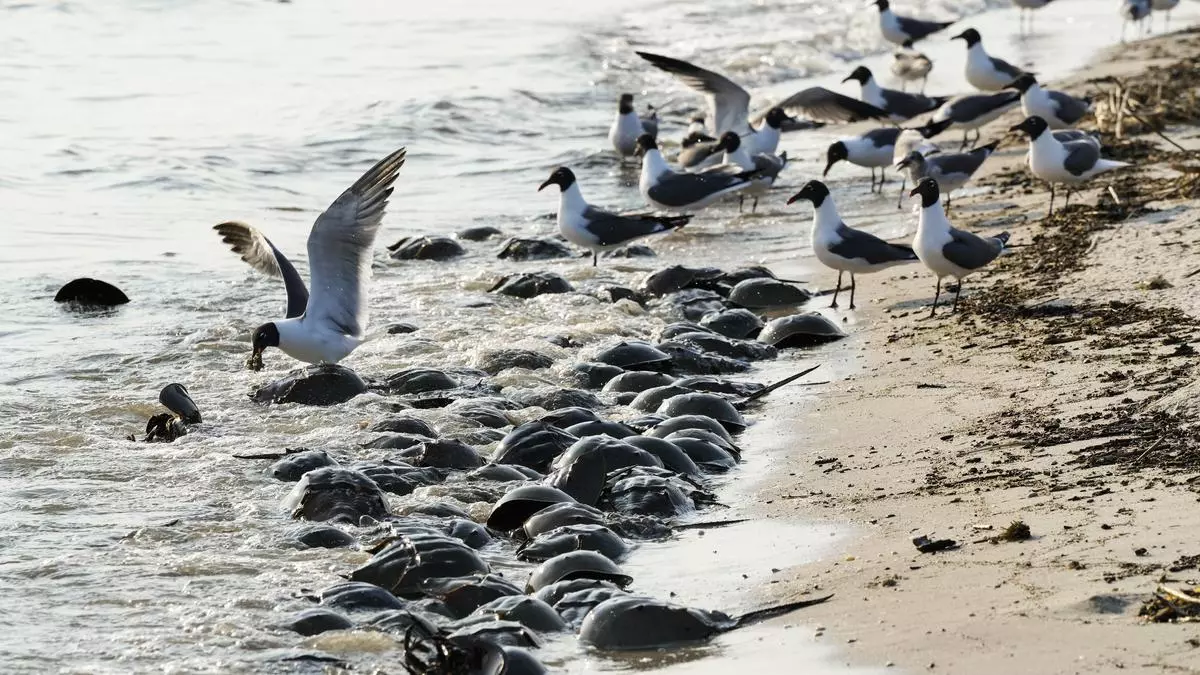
x=936, y=295
x=964, y=143
x=947, y=202
x=924, y=81
x=595, y=256
x=900, y=199
x=882, y=178
x=872, y=179
x=853, y=285
x=1068, y=202
x=1051, y=211
x=956, y=294
x=741, y=202
x=754, y=208
x=836, y=289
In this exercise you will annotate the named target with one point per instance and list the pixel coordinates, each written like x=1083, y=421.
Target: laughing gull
x=1072, y=163
x=984, y=72
x=258, y=252
x=1135, y=11
x=872, y=150
x=918, y=140
x=946, y=251
x=843, y=248
x=910, y=65
x=823, y=105
x=701, y=153
x=675, y=191
x=728, y=102
x=1162, y=6
x=762, y=168
x=334, y=319
x=971, y=112
x=900, y=29
x=596, y=229
x=1061, y=111
x=1027, y=7
x=626, y=128
x=950, y=171
x=899, y=105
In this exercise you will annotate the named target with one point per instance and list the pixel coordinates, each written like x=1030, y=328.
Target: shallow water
x=132, y=126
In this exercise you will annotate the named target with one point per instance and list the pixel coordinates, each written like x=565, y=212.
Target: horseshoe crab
x=668, y=453
x=359, y=596
x=552, y=398
x=405, y=566
x=316, y=621
x=634, y=355
x=444, y=453
x=555, y=592
x=576, y=565
x=593, y=375
x=617, y=454
x=526, y=610
x=687, y=359
x=651, y=399
x=707, y=455
x=478, y=233
x=709, y=405
x=479, y=412
x=692, y=303
x=629, y=622
x=736, y=323
x=800, y=330
x=336, y=494
x=531, y=284
x=516, y=507
x=679, y=328
x=763, y=293
x=569, y=538
x=745, y=350
x=426, y=248
x=637, y=381
x=87, y=292
x=720, y=385
x=320, y=536
x=708, y=437
x=502, y=473
x=322, y=385
x=678, y=277
x=562, y=515
x=648, y=496
x=534, y=445
x=569, y=417
x=464, y=595
x=395, y=442
x=613, y=429
x=419, y=381
x=294, y=465
x=497, y=361
x=402, y=479
x=677, y=422
x=400, y=620
x=405, y=425
x=519, y=248
x=576, y=605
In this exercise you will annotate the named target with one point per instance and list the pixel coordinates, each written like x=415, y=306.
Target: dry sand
x=1040, y=401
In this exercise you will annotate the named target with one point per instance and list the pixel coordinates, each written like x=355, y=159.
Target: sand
x=1039, y=401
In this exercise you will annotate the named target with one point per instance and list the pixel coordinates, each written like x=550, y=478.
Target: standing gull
x=1071, y=163
x=1137, y=12
x=899, y=105
x=915, y=139
x=1162, y=6
x=984, y=72
x=971, y=112
x=703, y=151
x=675, y=191
x=900, y=29
x=844, y=248
x=950, y=171
x=872, y=150
x=596, y=229
x=628, y=126
x=339, y=264
x=1061, y=111
x=946, y=251
x=911, y=65
x=1027, y=7
x=762, y=168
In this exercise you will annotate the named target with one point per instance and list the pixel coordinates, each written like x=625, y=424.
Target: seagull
x=1163, y=6
x=701, y=153
x=950, y=171
x=728, y=102
x=910, y=65
x=1061, y=111
x=333, y=319
x=901, y=29
x=677, y=191
x=1136, y=11
x=911, y=140
x=984, y=72
x=971, y=112
x=946, y=251
x=843, y=248
x=1026, y=7
x=596, y=229
x=628, y=126
x=899, y=105
x=823, y=105
x=872, y=150
x=762, y=168
x=1071, y=163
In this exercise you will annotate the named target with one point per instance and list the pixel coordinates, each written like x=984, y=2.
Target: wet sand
x=1060, y=395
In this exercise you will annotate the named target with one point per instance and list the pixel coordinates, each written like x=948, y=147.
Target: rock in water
x=91, y=293
x=324, y=384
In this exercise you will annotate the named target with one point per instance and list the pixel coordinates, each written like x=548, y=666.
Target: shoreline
x=959, y=425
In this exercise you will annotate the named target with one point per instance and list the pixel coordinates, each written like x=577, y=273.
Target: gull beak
x=903, y=164
x=848, y=78
x=1016, y=128
x=541, y=187
x=255, y=361
x=914, y=192
x=796, y=197
x=828, y=167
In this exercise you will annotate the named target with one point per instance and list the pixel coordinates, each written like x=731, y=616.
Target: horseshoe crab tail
x=771, y=612
x=772, y=387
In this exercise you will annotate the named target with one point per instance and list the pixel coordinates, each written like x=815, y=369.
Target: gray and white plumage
x=262, y=255
x=1060, y=110
x=983, y=71
x=951, y=171
x=821, y=104
x=910, y=65
x=900, y=29
x=975, y=110
x=899, y=105
x=671, y=190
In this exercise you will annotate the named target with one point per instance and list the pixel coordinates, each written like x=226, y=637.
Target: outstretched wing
x=339, y=248
x=728, y=103
x=261, y=254
x=821, y=104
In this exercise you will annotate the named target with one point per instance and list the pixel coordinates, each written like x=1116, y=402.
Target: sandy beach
x=1060, y=395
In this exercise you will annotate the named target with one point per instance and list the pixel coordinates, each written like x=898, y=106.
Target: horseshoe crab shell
x=405, y=425
x=637, y=381
x=562, y=515
x=531, y=284
x=554, y=593
x=404, y=567
x=576, y=605
x=337, y=494
x=613, y=429
x=800, y=330
x=518, y=505
x=673, y=424
x=444, y=453
x=709, y=405
x=526, y=610
x=569, y=417
x=651, y=399
x=464, y=595
x=534, y=445
x=707, y=455
x=736, y=323
x=633, y=355
x=322, y=385
x=668, y=453
x=569, y=538
x=426, y=248
x=576, y=565
x=745, y=350
x=677, y=277
x=762, y=293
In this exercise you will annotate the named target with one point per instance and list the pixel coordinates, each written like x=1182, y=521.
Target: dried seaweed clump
x=1169, y=605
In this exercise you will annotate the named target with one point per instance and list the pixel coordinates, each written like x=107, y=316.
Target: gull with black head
x=762, y=168
x=1060, y=110
x=671, y=190
x=701, y=151
x=598, y=230
x=900, y=29
x=945, y=250
x=628, y=125
x=1070, y=163
x=844, y=248
x=333, y=321
x=984, y=72
x=899, y=105
x=871, y=150
x=970, y=112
